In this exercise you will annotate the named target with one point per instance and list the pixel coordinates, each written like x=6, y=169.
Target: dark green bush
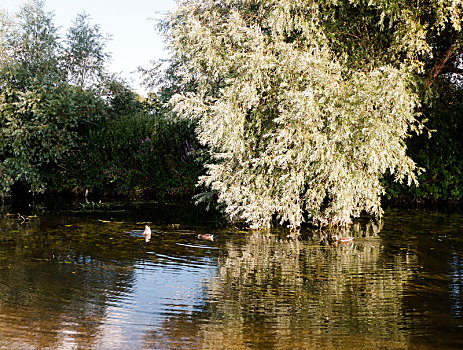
x=135, y=154
x=442, y=154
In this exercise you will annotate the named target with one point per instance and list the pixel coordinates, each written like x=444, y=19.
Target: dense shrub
x=442, y=154
x=138, y=153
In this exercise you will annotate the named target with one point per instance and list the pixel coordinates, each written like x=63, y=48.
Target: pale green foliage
x=293, y=133
x=30, y=40
x=85, y=57
x=3, y=26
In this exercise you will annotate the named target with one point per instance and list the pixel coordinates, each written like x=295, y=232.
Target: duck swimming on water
x=206, y=236
x=345, y=239
x=342, y=240
x=147, y=233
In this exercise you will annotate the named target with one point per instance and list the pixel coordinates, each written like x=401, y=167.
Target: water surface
x=72, y=279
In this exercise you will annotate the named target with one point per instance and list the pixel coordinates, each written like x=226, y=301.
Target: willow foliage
x=295, y=131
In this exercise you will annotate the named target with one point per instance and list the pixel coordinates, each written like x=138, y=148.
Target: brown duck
x=206, y=236
x=339, y=240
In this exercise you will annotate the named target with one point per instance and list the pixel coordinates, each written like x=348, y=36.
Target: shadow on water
x=88, y=279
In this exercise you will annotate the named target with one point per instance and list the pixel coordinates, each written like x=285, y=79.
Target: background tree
x=85, y=57
x=40, y=112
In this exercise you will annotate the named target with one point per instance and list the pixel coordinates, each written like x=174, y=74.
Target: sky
x=134, y=40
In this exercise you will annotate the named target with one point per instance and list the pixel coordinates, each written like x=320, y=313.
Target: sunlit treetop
x=305, y=105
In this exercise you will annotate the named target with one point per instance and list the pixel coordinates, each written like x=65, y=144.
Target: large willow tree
x=304, y=105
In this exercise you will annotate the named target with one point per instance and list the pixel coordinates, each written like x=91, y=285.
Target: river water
x=86, y=279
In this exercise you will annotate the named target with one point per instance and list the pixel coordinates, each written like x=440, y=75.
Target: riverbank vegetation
x=289, y=110
x=68, y=125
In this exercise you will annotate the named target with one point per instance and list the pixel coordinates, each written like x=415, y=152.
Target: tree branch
x=440, y=64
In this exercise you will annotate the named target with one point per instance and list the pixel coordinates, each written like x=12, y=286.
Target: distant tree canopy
x=84, y=55
x=46, y=95
x=305, y=105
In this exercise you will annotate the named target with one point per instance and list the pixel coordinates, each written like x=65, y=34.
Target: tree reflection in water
x=318, y=296
x=282, y=292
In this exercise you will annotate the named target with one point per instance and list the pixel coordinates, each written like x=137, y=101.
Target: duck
x=206, y=236
x=345, y=239
x=342, y=240
x=147, y=233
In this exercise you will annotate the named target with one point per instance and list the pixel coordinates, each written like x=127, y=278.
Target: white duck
x=147, y=233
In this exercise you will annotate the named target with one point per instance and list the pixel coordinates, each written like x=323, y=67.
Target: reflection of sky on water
x=456, y=285
x=160, y=290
